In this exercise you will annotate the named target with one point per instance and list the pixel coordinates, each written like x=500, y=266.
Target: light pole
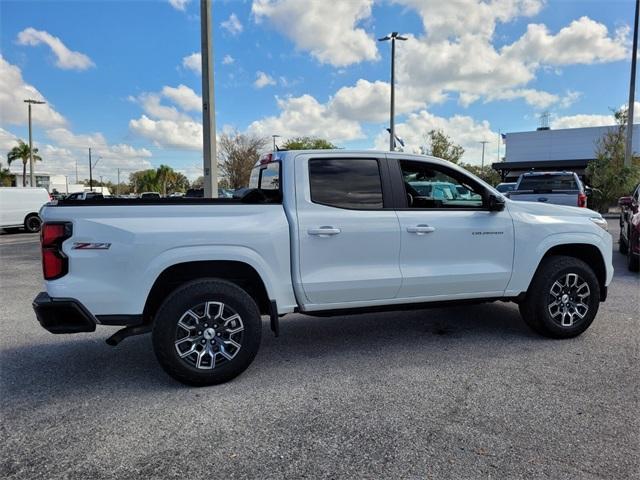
x=91, y=170
x=31, y=102
x=392, y=129
x=632, y=90
x=274, y=141
x=210, y=162
x=483, y=142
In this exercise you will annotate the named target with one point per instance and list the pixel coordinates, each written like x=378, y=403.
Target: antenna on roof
x=544, y=121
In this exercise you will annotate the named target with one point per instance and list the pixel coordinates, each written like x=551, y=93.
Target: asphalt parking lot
x=464, y=392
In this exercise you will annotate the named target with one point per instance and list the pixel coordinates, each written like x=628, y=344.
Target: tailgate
x=555, y=198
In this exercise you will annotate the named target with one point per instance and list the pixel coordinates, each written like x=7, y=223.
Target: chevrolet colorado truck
x=321, y=233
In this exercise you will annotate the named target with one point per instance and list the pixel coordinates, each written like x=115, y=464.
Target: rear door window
x=342, y=183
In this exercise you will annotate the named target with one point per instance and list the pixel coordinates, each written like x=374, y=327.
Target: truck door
x=452, y=245
x=348, y=233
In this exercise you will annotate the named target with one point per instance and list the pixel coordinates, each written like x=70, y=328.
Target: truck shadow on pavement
x=69, y=365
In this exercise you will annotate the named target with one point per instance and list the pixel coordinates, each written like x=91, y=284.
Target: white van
x=19, y=207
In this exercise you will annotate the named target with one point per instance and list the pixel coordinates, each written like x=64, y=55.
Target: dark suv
x=630, y=228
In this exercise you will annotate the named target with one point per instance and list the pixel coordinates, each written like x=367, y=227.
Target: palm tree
x=22, y=152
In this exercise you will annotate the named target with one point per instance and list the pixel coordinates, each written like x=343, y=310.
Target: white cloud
x=13, y=92
x=227, y=60
x=7, y=141
x=193, y=62
x=304, y=115
x=65, y=58
x=457, y=53
x=369, y=102
x=326, y=29
x=179, y=4
x=463, y=130
x=168, y=133
x=455, y=18
x=591, y=120
x=232, y=25
x=263, y=80
x=168, y=126
x=184, y=97
x=583, y=41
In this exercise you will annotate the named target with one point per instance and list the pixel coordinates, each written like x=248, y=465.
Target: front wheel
x=563, y=298
x=207, y=332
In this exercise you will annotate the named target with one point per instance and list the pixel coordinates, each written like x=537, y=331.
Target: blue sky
x=121, y=76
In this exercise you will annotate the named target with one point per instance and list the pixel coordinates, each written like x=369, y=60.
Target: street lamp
x=31, y=102
x=392, y=130
x=483, y=142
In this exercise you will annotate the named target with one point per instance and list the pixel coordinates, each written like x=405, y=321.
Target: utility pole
x=274, y=141
x=392, y=128
x=483, y=142
x=77, y=171
x=118, y=184
x=30, y=102
x=208, y=103
x=90, y=172
x=628, y=151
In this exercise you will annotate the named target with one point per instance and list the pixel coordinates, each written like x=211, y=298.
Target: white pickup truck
x=321, y=233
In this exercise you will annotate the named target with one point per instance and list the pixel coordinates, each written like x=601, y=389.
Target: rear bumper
x=63, y=315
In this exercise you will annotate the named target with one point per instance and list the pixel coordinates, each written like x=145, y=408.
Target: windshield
x=548, y=182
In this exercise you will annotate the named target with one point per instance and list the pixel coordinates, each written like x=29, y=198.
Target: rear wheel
x=207, y=332
x=32, y=223
x=563, y=298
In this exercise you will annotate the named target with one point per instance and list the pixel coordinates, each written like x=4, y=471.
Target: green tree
x=237, y=154
x=308, y=143
x=607, y=174
x=486, y=173
x=21, y=152
x=164, y=180
x=6, y=177
x=440, y=145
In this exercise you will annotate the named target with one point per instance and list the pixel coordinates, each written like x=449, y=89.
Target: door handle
x=421, y=229
x=543, y=199
x=324, y=231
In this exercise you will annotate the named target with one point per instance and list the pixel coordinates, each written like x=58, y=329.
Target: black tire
x=187, y=297
x=535, y=308
x=633, y=262
x=32, y=223
x=622, y=244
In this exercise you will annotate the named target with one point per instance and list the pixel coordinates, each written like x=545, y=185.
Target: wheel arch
x=236, y=272
x=588, y=253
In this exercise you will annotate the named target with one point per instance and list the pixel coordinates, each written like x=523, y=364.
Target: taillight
x=55, y=263
x=582, y=200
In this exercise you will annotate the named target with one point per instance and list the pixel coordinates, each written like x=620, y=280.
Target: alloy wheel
x=209, y=335
x=568, y=299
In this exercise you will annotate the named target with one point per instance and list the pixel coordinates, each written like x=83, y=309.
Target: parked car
x=559, y=188
x=199, y=193
x=84, y=196
x=19, y=207
x=321, y=233
x=506, y=187
x=630, y=228
x=150, y=195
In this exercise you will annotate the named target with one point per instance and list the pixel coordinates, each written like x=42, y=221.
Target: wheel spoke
x=218, y=313
x=207, y=327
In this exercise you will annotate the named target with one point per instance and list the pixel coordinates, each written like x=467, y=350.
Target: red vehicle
x=630, y=228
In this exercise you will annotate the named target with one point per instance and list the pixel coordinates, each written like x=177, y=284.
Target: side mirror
x=588, y=191
x=495, y=203
x=625, y=201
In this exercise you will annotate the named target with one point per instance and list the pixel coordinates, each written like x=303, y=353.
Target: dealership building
x=546, y=149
